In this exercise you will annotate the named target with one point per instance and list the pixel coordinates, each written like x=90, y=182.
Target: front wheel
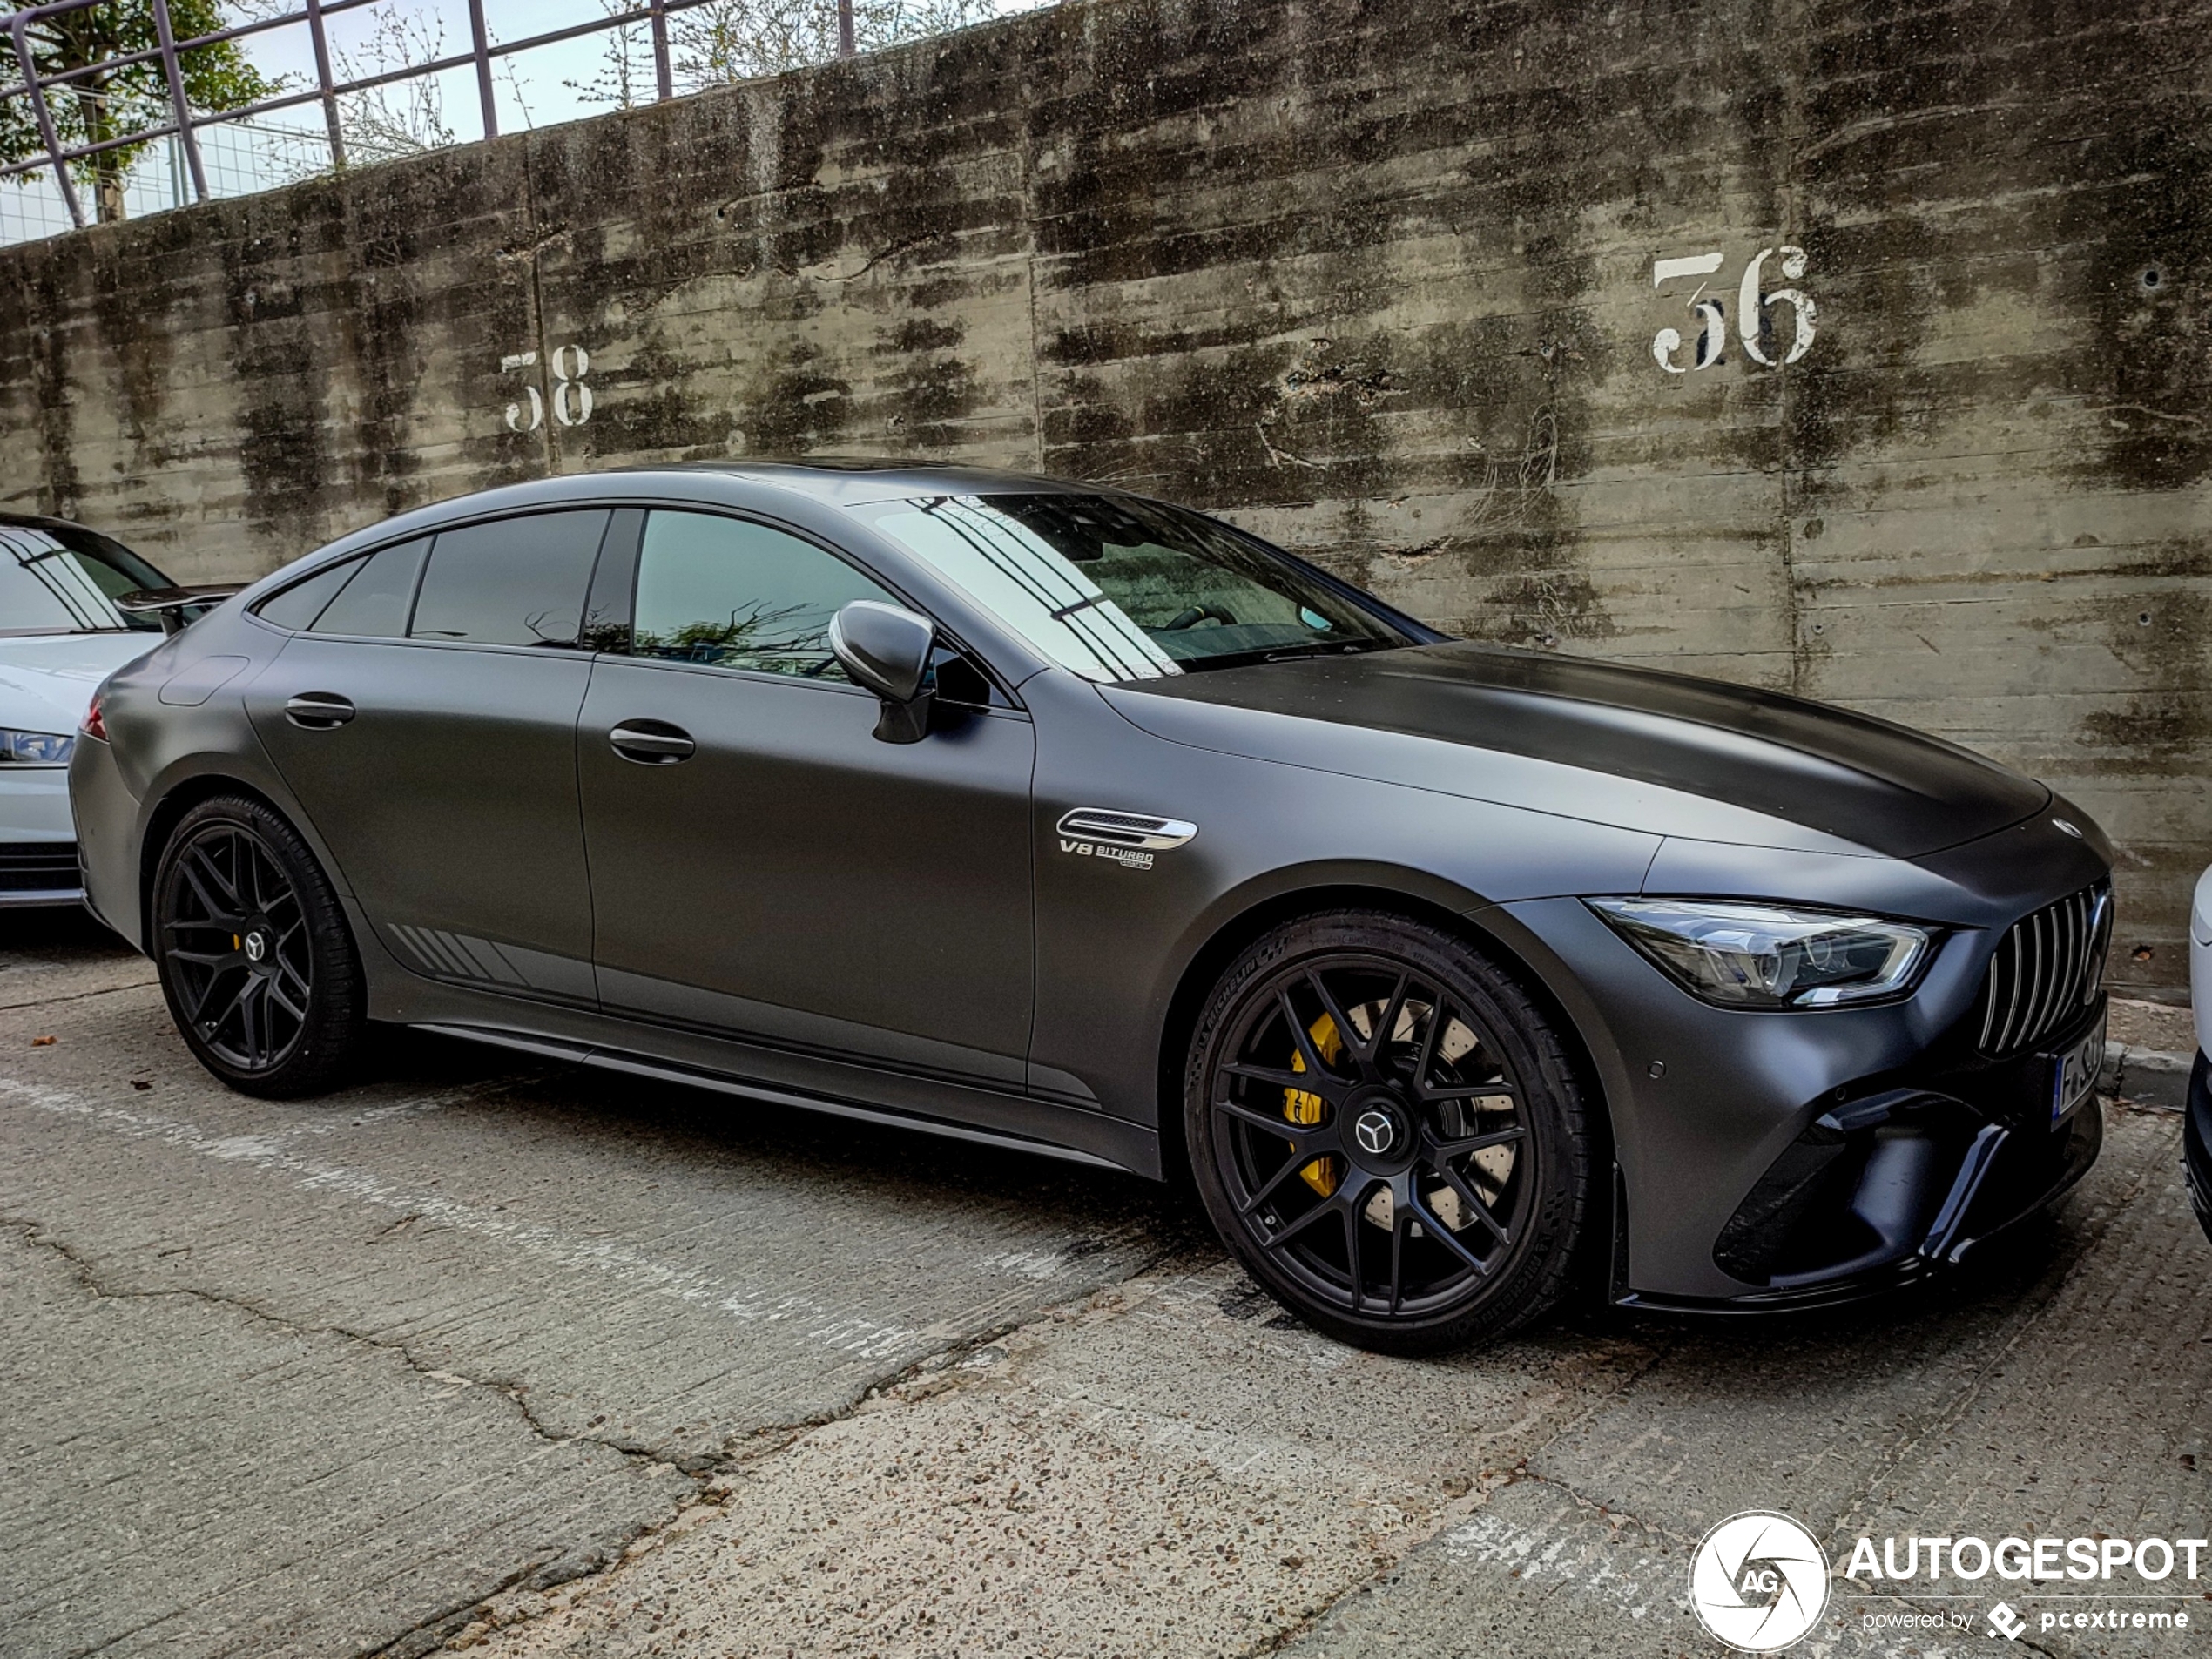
x=256, y=960
x=1387, y=1133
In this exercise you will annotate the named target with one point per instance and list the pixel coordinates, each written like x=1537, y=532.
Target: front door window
x=732, y=594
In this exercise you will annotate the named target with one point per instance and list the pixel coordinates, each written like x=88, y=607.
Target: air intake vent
x=1127, y=829
x=38, y=866
x=2047, y=969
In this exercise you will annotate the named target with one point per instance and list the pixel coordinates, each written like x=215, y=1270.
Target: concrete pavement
x=539, y=1363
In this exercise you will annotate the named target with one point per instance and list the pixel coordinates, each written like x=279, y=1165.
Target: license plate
x=2073, y=1074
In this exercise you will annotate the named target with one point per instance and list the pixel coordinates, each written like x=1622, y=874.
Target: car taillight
x=94, y=726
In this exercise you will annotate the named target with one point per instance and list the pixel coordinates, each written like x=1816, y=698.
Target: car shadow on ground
x=711, y=1135
x=1775, y=1357
x=46, y=929
x=622, y=1116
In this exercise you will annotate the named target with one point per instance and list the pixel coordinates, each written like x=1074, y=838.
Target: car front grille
x=2048, y=967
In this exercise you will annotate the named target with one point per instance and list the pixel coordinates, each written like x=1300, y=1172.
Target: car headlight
x=1751, y=955
x=35, y=748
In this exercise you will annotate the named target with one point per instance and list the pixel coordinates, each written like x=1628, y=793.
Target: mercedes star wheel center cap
x=257, y=946
x=1376, y=1132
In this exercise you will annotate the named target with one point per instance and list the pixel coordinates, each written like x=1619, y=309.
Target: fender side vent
x=1139, y=830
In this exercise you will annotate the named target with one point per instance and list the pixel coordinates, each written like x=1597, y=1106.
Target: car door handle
x=318, y=711
x=651, y=743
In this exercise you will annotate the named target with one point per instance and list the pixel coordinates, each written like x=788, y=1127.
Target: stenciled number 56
x=1752, y=315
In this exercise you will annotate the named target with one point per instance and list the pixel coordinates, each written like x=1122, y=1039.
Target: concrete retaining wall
x=1386, y=282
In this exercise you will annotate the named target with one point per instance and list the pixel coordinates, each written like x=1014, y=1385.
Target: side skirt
x=1108, y=1142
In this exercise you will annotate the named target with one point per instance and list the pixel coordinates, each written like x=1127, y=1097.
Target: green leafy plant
x=115, y=102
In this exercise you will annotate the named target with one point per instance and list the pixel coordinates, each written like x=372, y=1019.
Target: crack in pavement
x=36, y=1234
x=1454, y=1515
x=1170, y=1266
x=1636, y=1367
x=77, y=996
x=825, y=1324
x=275, y=1149
x=759, y=1446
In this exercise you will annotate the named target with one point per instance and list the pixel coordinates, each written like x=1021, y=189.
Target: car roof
x=850, y=479
x=830, y=483
x=71, y=534
x=40, y=522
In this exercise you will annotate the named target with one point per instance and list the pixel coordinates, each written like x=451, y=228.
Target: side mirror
x=887, y=650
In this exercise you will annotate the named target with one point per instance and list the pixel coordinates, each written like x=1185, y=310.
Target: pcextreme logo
x=1759, y=1582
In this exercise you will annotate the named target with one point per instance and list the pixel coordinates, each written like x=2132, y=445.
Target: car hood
x=1636, y=747
x=47, y=680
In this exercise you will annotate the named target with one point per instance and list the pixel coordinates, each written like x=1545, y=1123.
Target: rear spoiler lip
x=170, y=604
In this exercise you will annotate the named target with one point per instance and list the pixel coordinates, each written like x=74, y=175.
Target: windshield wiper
x=1340, y=648
x=1281, y=654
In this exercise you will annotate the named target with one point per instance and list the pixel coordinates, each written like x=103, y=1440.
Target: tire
x=256, y=960
x=1431, y=1189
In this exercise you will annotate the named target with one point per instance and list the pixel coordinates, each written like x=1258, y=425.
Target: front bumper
x=38, y=863
x=1794, y=1159
x=39, y=872
x=1942, y=1188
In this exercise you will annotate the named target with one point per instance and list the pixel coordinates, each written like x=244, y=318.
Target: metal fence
x=249, y=140
x=238, y=157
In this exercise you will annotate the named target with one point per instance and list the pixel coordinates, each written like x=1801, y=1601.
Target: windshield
x=65, y=581
x=1117, y=588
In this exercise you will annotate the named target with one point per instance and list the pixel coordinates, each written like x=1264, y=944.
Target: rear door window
x=511, y=582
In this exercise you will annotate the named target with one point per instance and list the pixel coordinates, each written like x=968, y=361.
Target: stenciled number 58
x=572, y=400
x=1751, y=310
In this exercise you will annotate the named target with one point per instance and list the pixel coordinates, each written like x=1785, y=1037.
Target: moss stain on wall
x=1374, y=279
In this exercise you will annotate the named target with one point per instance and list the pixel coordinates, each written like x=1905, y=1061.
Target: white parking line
x=811, y=1320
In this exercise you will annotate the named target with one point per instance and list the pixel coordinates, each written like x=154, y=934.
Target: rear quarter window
x=375, y=603
x=299, y=605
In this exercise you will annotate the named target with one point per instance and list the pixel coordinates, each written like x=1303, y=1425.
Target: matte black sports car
x=1055, y=817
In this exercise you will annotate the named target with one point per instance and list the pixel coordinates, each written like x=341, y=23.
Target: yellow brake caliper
x=1303, y=1108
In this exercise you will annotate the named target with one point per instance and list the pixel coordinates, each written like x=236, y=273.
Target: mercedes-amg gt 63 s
x=1052, y=816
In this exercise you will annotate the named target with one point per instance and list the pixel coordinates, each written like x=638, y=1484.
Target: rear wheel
x=256, y=960
x=1386, y=1132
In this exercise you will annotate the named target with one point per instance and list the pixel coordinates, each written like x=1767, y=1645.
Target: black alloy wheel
x=1387, y=1132
x=256, y=960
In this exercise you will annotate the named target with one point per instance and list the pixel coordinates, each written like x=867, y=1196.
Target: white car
x=2196, y=1129
x=61, y=634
